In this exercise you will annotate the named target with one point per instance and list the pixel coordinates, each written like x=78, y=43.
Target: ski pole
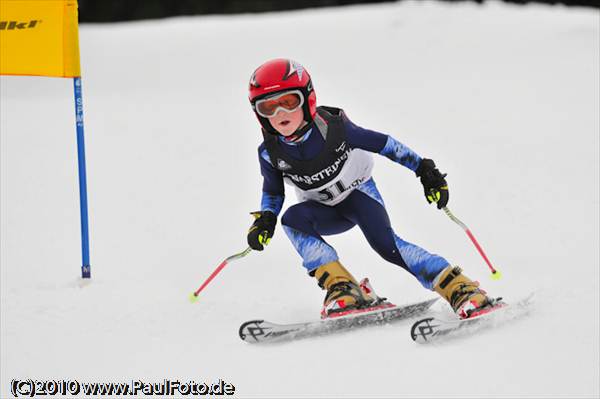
x=194, y=295
x=496, y=275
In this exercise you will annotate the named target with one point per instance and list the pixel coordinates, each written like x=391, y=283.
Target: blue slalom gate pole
x=85, y=243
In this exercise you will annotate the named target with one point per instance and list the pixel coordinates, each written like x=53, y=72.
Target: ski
x=433, y=329
x=256, y=331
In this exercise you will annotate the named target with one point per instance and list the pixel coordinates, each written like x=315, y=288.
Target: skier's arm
x=273, y=193
x=433, y=181
x=263, y=228
x=386, y=145
x=271, y=202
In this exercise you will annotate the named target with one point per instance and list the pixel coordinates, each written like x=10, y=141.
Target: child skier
x=327, y=158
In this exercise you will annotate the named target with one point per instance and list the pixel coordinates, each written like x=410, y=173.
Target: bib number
x=338, y=188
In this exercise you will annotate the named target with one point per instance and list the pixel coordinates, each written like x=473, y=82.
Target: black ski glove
x=262, y=229
x=436, y=188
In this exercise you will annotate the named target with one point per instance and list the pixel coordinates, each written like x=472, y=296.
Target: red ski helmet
x=280, y=75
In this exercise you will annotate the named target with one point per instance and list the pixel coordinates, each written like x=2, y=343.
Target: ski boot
x=463, y=294
x=344, y=294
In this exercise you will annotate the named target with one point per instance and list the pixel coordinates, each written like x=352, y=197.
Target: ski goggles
x=288, y=101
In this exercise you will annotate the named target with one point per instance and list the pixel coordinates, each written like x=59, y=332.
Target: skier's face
x=286, y=123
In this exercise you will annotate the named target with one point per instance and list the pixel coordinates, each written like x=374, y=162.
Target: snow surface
x=504, y=98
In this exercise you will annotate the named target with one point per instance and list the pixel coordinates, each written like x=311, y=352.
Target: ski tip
x=422, y=329
x=193, y=297
x=251, y=329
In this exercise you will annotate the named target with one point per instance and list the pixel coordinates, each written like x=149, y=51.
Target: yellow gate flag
x=39, y=37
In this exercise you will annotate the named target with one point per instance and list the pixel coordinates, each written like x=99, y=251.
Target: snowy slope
x=505, y=99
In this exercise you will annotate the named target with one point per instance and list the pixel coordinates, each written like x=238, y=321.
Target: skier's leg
x=305, y=223
x=365, y=207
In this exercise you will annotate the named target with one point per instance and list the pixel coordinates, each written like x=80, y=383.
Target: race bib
x=355, y=171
